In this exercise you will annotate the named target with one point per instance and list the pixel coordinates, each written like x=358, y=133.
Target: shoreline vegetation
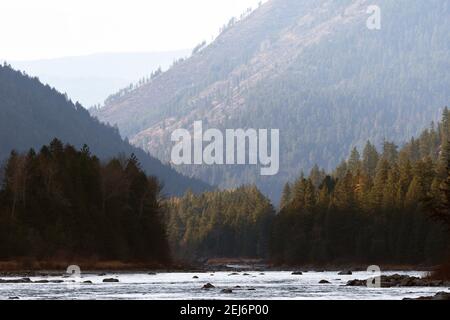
x=26, y=267
x=62, y=205
x=383, y=207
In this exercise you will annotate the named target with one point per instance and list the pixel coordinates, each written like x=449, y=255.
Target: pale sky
x=37, y=29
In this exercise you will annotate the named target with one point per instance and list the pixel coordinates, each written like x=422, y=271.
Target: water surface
x=253, y=285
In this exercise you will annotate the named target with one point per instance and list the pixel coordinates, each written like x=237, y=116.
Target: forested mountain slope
x=310, y=68
x=32, y=115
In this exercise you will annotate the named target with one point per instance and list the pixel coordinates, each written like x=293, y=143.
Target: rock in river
x=23, y=280
x=42, y=281
x=397, y=280
x=208, y=286
x=345, y=273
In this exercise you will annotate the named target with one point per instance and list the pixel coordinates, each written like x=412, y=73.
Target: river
x=252, y=285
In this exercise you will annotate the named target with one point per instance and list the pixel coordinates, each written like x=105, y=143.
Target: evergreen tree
x=354, y=162
x=370, y=159
x=286, y=196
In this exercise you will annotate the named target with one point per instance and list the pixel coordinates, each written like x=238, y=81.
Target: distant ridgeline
x=32, y=114
x=62, y=204
x=374, y=208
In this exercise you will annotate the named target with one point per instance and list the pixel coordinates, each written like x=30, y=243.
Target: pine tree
x=390, y=152
x=316, y=175
x=354, y=162
x=444, y=154
x=370, y=159
x=440, y=207
x=286, y=196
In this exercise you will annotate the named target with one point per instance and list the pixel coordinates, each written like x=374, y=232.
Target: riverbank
x=26, y=267
x=210, y=265
x=257, y=264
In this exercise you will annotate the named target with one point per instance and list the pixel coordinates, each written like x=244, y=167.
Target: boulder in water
x=397, y=280
x=23, y=280
x=345, y=273
x=42, y=281
x=208, y=286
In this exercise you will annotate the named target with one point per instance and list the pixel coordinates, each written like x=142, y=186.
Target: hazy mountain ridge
x=312, y=69
x=90, y=79
x=32, y=114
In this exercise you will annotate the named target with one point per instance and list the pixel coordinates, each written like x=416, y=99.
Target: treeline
x=233, y=223
x=374, y=208
x=383, y=207
x=388, y=207
x=63, y=203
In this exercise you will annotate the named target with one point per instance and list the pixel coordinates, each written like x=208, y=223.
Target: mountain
x=90, y=79
x=32, y=114
x=312, y=69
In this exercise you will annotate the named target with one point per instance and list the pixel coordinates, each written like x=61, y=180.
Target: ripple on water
x=176, y=286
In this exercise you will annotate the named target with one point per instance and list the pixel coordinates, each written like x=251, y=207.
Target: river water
x=254, y=285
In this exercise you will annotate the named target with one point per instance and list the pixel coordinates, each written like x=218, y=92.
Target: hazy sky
x=31, y=29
